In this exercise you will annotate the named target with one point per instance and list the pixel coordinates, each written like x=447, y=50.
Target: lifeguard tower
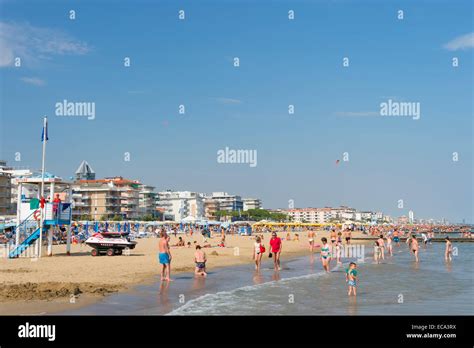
x=36, y=220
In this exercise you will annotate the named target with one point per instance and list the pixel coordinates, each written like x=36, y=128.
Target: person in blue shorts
x=351, y=278
x=164, y=256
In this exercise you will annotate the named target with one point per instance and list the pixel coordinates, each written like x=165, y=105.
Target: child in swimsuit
x=351, y=278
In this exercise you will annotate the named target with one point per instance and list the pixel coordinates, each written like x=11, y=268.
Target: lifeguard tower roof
x=48, y=178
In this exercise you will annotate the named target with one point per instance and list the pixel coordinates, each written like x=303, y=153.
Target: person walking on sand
x=258, y=250
x=325, y=254
x=275, y=249
x=164, y=256
x=200, y=260
x=414, y=247
x=448, y=253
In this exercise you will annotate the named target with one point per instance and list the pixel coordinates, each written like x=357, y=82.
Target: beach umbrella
x=96, y=226
x=119, y=226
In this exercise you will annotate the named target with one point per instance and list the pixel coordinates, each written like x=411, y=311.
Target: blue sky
x=282, y=62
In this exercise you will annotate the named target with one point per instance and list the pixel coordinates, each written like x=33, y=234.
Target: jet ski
x=110, y=243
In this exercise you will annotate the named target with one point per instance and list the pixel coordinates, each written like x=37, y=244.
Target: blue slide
x=25, y=244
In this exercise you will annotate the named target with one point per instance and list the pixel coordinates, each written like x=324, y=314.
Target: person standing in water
x=425, y=239
x=275, y=249
x=381, y=244
x=311, y=236
x=389, y=245
x=448, y=253
x=396, y=239
x=351, y=278
x=258, y=251
x=376, y=251
x=200, y=261
x=164, y=256
x=339, y=251
x=333, y=240
x=325, y=254
x=414, y=247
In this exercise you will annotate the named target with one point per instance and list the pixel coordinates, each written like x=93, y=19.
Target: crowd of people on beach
x=386, y=238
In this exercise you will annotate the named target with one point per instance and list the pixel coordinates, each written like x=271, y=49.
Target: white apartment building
x=181, y=204
x=227, y=202
x=310, y=215
x=146, y=200
x=326, y=215
x=251, y=203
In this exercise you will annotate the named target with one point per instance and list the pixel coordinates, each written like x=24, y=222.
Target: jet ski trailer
x=110, y=243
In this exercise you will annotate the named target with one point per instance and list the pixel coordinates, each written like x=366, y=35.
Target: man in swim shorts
x=200, y=261
x=396, y=239
x=164, y=256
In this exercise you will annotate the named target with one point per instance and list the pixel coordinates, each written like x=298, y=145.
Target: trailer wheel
x=95, y=252
x=110, y=252
x=119, y=251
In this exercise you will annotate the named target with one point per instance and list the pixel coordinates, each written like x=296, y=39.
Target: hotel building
x=178, y=205
x=227, y=202
x=106, y=198
x=251, y=203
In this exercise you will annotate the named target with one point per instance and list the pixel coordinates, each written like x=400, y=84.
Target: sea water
x=396, y=286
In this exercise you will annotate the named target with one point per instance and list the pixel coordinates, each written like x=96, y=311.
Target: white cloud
x=229, y=100
x=357, y=113
x=33, y=44
x=33, y=81
x=462, y=42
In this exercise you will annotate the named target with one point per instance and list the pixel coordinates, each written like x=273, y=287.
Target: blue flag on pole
x=44, y=134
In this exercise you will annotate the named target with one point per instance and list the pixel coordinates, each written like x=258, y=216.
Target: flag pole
x=45, y=138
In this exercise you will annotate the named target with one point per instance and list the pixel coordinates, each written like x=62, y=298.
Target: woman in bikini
x=325, y=254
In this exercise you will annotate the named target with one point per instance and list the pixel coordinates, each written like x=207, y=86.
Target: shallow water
x=397, y=286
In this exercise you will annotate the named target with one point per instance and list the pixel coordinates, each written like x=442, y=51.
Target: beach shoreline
x=59, y=283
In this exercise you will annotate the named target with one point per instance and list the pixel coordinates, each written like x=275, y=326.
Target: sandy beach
x=52, y=283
